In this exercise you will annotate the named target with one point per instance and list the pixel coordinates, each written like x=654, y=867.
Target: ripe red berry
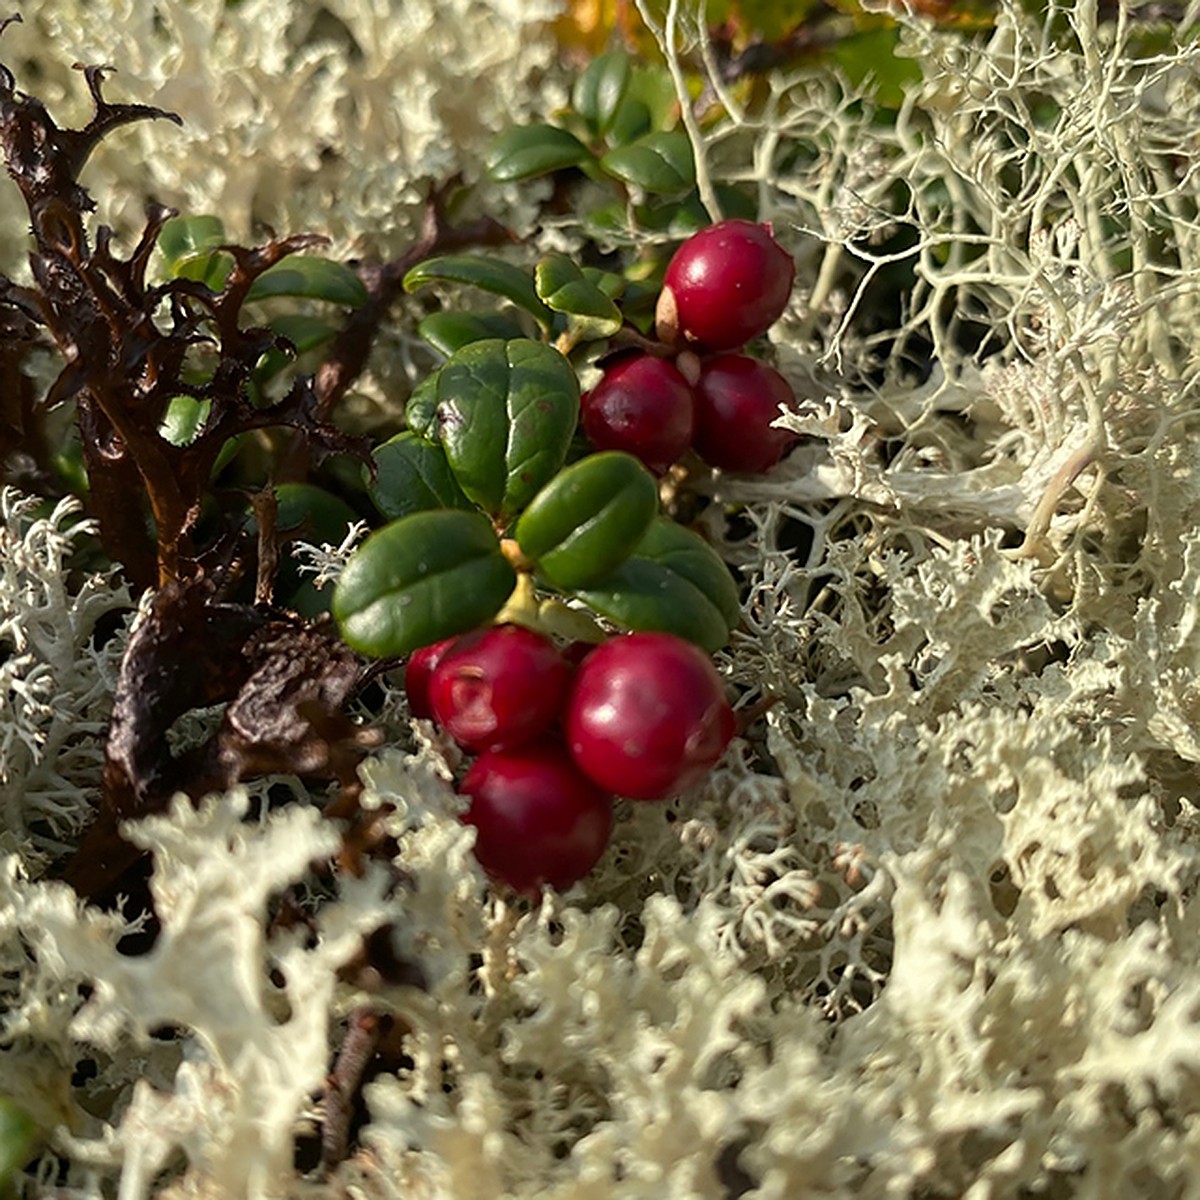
x=737, y=398
x=643, y=406
x=417, y=672
x=726, y=284
x=538, y=819
x=498, y=687
x=647, y=715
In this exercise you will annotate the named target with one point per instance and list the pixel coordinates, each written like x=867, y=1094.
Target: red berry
x=647, y=715
x=499, y=687
x=643, y=406
x=726, y=284
x=538, y=819
x=417, y=672
x=736, y=401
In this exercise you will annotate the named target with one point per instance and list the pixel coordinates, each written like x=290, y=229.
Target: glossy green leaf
x=311, y=277
x=564, y=287
x=420, y=413
x=450, y=331
x=588, y=519
x=185, y=237
x=184, y=419
x=304, y=331
x=506, y=411
x=600, y=89
x=314, y=514
x=412, y=475
x=209, y=267
x=490, y=274
x=531, y=150
x=631, y=121
x=307, y=513
x=673, y=582
x=425, y=577
x=660, y=163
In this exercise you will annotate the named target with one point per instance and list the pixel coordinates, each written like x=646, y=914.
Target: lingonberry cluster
x=643, y=715
x=725, y=286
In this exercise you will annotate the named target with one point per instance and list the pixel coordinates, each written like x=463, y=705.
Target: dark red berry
x=726, y=284
x=643, y=406
x=417, y=672
x=499, y=687
x=538, y=819
x=647, y=715
x=736, y=401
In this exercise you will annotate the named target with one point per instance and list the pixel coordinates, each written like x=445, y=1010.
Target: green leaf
x=19, y=1138
x=184, y=419
x=210, y=267
x=660, y=163
x=490, y=274
x=420, y=413
x=601, y=88
x=185, y=237
x=870, y=61
x=312, y=277
x=418, y=580
x=564, y=287
x=304, y=331
x=412, y=475
x=319, y=516
x=673, y=582
x=588, y=519
x=506, y=411
x=631, y=121
x=450, y=331
x=533, y=150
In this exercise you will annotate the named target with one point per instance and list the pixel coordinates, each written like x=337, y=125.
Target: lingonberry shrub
x=644, y=406
x=737, y=399
x=725, y=285
x=647, y=715
x=418, y=672
x=538, y=819
x=499, y=687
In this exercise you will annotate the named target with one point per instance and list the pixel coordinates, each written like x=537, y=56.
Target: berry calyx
x=727, y=284
x=538, y=819
x=643, y=406
x=737, y=398
x=499, y=687
x=647, y=716
x=417, y=673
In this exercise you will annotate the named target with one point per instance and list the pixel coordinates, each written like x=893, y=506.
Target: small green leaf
x=209, y=267
x=450, y=331
x=588, y=519
x=418, y=580
x=673, y=582
x=506, y=411
x=564, y=287
x=490, y=274
x=870, y=61
x=420, y=413
x=533, y=150
x=185, y=237
x=601, y=88
x=312, y=277
x=412, y=475
x=631, y=121
x=660, y=163
x=184, y=419
x=19, y=1137
x=304, y=331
